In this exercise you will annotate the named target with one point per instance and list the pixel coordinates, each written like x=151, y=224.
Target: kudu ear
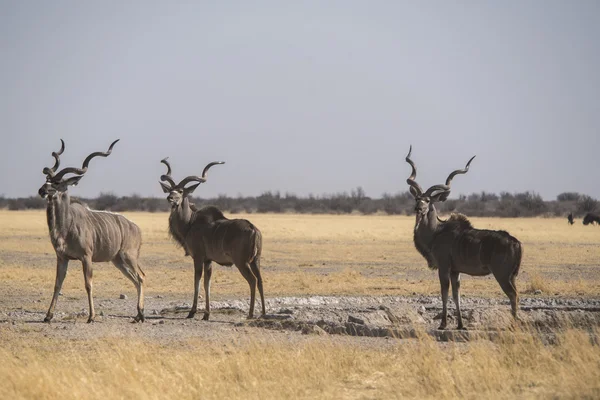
x=190, y=189
x=165, y=188
x=72, y=181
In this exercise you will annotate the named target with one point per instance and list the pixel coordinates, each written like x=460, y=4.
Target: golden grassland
x=318, y=254
x=303, y=254
x=515, y=366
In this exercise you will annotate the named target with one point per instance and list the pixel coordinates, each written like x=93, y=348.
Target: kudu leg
x=207, y=276
x=508, y=286
x=455, y=281
x=140, y=292
x=198, y=264
x=61, y=272
x=246, y=272
x=514, y=303
x=87, y=276
x=445, y=286
x=255, y=265
x=130, y=268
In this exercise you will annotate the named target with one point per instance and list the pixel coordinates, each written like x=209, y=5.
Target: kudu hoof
x=205, y=317
x=442, y=327
x=90, y=320
x=138, y=318
x=47, y=319
x=191, y=315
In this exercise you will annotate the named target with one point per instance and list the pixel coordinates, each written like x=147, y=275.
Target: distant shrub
x=568, y=196
x=269, y=202
x=106, y=201
x=586, y=204
x=15, y=204
x=476, y=204
x=531, y=203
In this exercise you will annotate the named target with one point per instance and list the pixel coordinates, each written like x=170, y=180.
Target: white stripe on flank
x=104, y=211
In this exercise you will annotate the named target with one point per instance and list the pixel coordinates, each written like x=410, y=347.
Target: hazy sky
x=303, y=97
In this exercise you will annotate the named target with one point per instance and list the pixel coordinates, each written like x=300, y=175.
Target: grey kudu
x=454, y=246
x=78, y=233
x=207, y=235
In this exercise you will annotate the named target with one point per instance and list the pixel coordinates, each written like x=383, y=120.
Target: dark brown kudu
x=454, y=246
x=206, y=235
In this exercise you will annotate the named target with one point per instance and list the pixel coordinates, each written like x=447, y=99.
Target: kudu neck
x=428, y=225
x=184, y=210
x=57, y=212
x=181, y=216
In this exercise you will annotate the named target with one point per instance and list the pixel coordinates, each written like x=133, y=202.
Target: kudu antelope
x=454, y=246
x=207, y=235
x=78, y=233
x=570, y=219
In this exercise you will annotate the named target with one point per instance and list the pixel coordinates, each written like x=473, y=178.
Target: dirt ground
x=336, y=316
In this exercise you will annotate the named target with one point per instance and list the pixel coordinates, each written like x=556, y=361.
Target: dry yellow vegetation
x=303, y=254
x=315, y=368
x=319, y=254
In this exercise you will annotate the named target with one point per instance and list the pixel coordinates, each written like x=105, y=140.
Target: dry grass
x=536, y=284
x=315, y=368
x=316, y=254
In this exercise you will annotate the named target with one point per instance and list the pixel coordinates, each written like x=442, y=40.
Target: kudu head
x=177, y=192
x=56, y=183
x=436, y=193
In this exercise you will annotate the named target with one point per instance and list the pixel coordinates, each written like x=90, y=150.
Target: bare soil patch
x=367, y=316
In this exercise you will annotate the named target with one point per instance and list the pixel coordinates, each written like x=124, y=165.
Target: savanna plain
x=351, y=313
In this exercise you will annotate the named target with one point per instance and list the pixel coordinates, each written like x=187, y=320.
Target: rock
x=101, y=313
x=313, y=330
x=161, y=322
x=159, y=296
x=356, y=320
x=154, y=312
x=276, y=316
x=538, y=291
x=123, y=296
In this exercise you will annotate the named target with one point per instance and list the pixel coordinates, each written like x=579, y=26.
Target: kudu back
x=454, y=246
x=78, y=233
x=207, y=235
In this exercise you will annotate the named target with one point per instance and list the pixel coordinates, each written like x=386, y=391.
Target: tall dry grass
x=518, y=365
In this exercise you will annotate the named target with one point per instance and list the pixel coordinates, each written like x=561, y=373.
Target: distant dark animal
x=454, y=246
x=591, y=218
x=206, y=235
x=78, y=233
x=570, y=219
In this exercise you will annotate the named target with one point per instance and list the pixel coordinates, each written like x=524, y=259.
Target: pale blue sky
x=303, y=97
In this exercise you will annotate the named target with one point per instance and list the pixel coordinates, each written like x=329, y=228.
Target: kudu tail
x=255, y=244
x=518, y=249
